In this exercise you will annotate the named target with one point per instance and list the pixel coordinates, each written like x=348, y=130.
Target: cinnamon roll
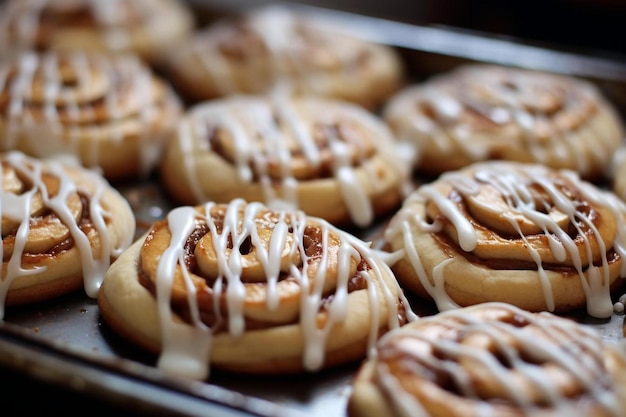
x=111, y=113
x=249, y=289
x=483, y=112
x=128, y=26
x=525, y=234
x=253, y=52
x=61, y=228
x=332, y=159
x=492, y=359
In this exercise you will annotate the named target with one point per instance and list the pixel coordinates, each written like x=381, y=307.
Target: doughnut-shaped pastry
x=492, y=359
x=253, y=52
x=525, y=234
x=61, y=228
x=108, y=112
x=252, y=290
x=330, y=158
x=483, y=112
x=128, y=26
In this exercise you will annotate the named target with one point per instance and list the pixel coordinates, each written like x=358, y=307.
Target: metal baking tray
x=66, y=358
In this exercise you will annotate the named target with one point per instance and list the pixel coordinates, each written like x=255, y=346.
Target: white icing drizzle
x=505, y=97
x=285, y=35
x=186, y=347
x=258, y=141
x=511, y=181
x=111, y=23
x=98, y=77
x=574, y=349
x=17, y=207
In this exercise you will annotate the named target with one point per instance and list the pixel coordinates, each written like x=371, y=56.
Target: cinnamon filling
x=84, y=222
x=323, y=135
x=451, y=248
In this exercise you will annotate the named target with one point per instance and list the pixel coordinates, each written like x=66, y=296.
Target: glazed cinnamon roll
x=525, y=234
x=111, y=113
x=251, y=53
x=484, y=112
x=61, y=228
x=128, y=26
x=249, y=289
x=329, y=158
x=492, y=359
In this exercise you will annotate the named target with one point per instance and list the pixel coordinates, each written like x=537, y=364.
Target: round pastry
x=493, y=360
x=525, y=234
x=108, y=112
x=329, y=158
x=252, y=290
x=483, y=112
x=61, y=228
x=129, y=26
x=253, y=52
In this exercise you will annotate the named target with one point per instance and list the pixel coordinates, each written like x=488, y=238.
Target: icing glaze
x=185, y=345
x=282, y=46
x=22, y=205
x=498, y=358
x=71, y=98
x=266, y=133
x=529, y=200
x=114, y=24
x=488, y=112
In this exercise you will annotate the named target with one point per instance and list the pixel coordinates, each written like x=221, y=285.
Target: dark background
x=593, y=26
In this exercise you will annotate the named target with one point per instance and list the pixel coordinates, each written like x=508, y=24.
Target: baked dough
x=525, y=234
x=127, y=26
x=483, y=112
x=253, y=52
x=329, y=158
x=492, y=359
x=617, y=176
x=251, y=290
x=61, y=228
x=110, y=113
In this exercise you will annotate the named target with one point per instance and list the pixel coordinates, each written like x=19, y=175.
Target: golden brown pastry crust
x=275, y=291
x=525, y=234
x=252, y=53
x=128, y=26
x=484, y=112
x=491, y=359
x=329, y=158
x=61, y=228
x=111, y=113
x=617, y=172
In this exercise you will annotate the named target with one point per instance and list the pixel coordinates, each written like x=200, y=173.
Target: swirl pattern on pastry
x=251, y=290
x=494, y=360
x=109, y=112
x=128, y=26
x=61, y=228
x=526, y=234
x=252, y=53
x=484, y=112
x=329, y=158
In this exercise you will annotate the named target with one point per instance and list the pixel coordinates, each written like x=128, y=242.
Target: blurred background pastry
x=254, y=51
x=108, y=112
x=484, y=112
x=330, y=158
x=143, y=27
